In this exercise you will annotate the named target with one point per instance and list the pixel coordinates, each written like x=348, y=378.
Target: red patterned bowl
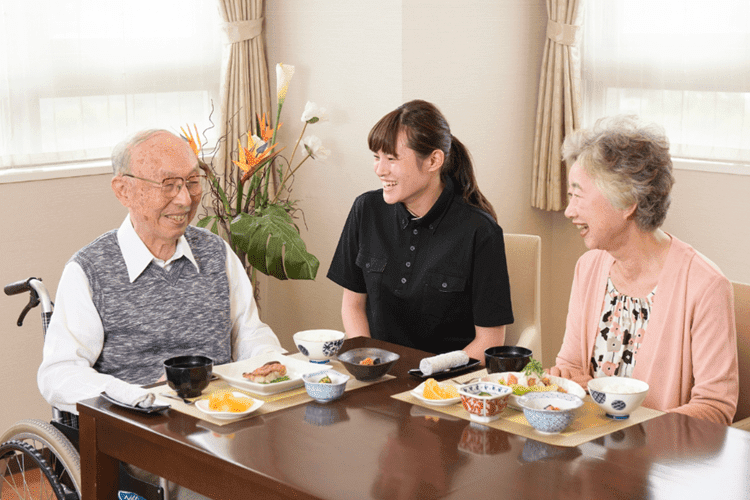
x=484, y=401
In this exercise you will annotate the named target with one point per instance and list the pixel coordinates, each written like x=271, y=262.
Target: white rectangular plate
x=295, y=368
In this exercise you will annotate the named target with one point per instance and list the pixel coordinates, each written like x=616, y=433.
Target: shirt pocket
x=372, y=269
x=444, y=296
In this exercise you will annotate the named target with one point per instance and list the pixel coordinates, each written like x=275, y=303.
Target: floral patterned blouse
x=622, y=325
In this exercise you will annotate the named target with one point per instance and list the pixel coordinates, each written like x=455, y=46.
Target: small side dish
x=226, y=404
x=484, y=401
x=436, y=393
x=550, y=412
x=325, y=387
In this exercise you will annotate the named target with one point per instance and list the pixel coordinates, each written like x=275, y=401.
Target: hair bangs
x=384, y=135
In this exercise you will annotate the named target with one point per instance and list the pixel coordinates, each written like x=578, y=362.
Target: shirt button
x=430, y=226
x=445, y=285
x=416, y=232
x=412, y=248
x=408, y=264
x=403, y=280
x=367, y=265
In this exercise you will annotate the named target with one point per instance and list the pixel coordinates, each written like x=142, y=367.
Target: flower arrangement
x=251, y=205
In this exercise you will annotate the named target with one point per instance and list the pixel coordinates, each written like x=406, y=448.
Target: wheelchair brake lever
x=33, y=302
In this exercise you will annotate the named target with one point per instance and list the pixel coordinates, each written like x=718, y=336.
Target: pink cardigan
x=689, y=352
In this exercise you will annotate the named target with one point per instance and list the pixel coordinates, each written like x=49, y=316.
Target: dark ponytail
x=427, y=130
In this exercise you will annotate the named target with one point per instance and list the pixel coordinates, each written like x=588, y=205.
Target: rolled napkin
x=129, y=394
x=443, y=362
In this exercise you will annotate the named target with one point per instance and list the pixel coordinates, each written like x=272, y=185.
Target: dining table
x=370, y=444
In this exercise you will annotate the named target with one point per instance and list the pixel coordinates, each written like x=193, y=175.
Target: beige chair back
x=742, y=318
x=523, y=252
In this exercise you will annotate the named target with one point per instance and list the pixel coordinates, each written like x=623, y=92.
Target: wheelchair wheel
x=38, y=461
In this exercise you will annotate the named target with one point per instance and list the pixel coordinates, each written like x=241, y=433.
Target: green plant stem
x=291, y=159
x=273, y=141
x=291, y=173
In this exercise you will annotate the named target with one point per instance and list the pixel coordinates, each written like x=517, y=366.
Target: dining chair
x=742, y=320
x=523, y=253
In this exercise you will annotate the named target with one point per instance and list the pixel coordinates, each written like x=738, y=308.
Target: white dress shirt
x=75, y=335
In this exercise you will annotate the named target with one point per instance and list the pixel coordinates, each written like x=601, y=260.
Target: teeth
x=389, y=184
x=178, y=218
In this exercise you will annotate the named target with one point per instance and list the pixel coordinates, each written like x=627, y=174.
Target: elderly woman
x=643, y=303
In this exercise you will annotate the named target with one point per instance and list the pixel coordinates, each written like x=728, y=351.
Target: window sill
x=711, y=166
x=46, y=172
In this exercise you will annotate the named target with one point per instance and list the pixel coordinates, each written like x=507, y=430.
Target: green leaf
x=204, y=222
x=273, y=244
x=533, y=367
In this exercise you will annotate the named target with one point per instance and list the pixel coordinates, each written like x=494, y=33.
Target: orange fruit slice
x=435, y=390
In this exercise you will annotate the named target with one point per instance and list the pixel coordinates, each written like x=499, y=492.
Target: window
x=684, y=65
x=79, y=76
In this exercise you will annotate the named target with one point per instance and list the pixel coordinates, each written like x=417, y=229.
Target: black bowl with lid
x=506, y=358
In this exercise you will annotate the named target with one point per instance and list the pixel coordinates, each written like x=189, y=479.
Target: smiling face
x=601, y=225
x=407, y=179
x=158, y=219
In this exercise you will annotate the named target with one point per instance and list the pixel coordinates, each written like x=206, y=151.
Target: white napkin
x=129, y=394
x=443, y=362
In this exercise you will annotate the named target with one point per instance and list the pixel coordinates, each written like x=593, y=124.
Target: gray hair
x=629, y=163
x=121, y=153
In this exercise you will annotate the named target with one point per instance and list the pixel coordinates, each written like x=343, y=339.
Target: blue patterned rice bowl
x=548, y=421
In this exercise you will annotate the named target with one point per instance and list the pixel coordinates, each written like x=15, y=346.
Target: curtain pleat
x=558, y=105
x=245, y=91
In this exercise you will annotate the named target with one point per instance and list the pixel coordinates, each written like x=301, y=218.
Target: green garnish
x=534, y=367
x=484, y=394
x=325, y=380
x=280, y=379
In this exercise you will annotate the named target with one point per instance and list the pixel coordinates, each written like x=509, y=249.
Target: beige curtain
x=245, y=90
x=559, y=104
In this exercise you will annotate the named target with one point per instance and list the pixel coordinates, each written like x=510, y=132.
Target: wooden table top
x=370, y=445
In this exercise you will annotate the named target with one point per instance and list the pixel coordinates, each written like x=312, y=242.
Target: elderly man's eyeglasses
x=171, y=186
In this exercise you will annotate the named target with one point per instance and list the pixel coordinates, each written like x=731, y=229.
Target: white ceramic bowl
x=484, y=401
x=319, y=346
x=618, y=396
x=323, y=392
x=536, y=409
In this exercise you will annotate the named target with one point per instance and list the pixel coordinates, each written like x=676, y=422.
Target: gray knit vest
x=162, y=313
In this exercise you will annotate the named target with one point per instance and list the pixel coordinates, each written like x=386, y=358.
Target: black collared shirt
x=429, y=280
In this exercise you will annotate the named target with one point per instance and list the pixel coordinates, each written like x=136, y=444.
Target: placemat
x=590, y=422
x=271, y=402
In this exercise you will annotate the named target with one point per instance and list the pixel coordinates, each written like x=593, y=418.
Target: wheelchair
x=40, y=459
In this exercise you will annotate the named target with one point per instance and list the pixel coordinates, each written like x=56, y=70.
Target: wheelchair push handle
x=37, y=295
x=18, y=287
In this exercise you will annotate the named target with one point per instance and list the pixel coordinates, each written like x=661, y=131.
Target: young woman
x=422, y=260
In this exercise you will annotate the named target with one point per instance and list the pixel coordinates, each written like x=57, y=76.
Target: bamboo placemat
x=271, y=402
x=590, y=422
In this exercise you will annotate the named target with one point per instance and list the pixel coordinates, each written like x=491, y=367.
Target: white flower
x=313, y=113
x=284, y=74
x=314, y=147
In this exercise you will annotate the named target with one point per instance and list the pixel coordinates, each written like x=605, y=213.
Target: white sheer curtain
x=78, y=76
x=684, y=65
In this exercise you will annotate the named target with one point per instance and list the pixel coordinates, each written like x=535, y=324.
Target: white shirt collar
x=137, y=255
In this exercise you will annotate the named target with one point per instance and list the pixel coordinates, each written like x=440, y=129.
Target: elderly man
x=152, y=289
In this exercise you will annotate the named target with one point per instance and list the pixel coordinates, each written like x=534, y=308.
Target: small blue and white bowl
x=323, y=392
x=319, y=346
x=536, y=409
x=618, y=396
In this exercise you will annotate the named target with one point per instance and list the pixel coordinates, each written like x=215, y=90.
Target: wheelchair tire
x=31, y=444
